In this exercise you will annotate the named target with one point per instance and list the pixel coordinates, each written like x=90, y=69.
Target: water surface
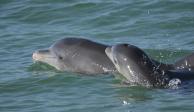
x=164, y=29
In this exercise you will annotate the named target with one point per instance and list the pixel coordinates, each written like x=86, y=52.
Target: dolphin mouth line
x=38, y=57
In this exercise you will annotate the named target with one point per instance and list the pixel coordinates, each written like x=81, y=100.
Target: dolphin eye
x=125, y=45
x=60, y=57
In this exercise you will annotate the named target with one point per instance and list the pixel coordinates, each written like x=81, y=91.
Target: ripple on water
x=164, y=29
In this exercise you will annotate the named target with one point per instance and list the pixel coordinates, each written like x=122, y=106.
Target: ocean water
x=163, y=28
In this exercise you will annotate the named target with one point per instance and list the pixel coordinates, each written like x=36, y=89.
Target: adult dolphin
x=139, y=69
x=76, y=55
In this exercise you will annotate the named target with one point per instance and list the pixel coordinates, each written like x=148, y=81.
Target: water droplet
x=126, y=103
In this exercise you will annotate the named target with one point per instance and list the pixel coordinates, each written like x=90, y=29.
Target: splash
x=174, y=83
x=125, y=102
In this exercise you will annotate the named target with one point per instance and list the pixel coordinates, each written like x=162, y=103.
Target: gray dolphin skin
x=186, y=63
x=136, y=66
x=76, y=55
x=183, y=64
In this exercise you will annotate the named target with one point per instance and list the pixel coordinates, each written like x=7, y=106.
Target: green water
x=164, y=28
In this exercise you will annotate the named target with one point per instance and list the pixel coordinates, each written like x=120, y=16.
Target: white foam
x=174, y=83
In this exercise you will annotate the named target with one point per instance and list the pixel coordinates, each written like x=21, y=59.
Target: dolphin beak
x=48, y=57
x=35, y=56
x=108, y=52
x=40, y=54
